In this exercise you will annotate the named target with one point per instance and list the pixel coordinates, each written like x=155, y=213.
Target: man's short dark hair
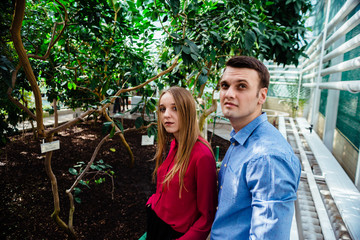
x=252, y=63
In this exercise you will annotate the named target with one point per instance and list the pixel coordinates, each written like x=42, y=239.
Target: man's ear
x=262, y=96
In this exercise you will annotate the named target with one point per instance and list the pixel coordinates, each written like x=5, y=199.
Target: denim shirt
x=258, y=180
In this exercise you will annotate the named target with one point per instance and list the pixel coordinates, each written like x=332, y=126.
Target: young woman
x=184, y=204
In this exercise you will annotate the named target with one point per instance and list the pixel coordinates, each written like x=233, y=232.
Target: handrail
x=345, y=47
x=354, y=86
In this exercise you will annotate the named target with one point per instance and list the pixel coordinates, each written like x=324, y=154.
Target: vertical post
x=332, y=102
x=217, y=150
x=357, y=174
x=316, y=103
x=299, y=87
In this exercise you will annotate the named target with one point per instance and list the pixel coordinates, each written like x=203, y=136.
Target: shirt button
x=233, y=144
x=220, y=187
x=225, y=165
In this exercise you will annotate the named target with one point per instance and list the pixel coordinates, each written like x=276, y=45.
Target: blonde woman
x=184, y=204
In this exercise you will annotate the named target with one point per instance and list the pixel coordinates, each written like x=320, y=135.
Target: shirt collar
x=242, y=135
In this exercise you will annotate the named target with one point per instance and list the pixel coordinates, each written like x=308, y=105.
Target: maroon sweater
x=194, y=212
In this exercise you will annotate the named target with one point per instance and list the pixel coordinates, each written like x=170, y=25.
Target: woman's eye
x=162, y=109
x=174, y=108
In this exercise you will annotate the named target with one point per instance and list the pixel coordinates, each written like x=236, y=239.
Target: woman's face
x=168, y=114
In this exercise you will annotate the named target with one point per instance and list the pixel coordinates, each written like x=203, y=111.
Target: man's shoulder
x=269, y=138
x=266, y=131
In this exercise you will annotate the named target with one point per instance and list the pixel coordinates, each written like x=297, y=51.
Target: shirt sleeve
x=272, y=182
x=206, y=198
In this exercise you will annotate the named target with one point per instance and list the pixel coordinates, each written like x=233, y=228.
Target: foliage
x=109, y=45
x=10, y=115
x=100, y=168
x=206, y=33
x=82, y=53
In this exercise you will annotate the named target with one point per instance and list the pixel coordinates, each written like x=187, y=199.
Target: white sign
x=216, y=95
x=146, y=140
x=50, y=146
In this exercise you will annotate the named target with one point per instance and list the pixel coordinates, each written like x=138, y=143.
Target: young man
x=260, y=173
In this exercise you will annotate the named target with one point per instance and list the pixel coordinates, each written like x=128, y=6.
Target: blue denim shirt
x=258, y=180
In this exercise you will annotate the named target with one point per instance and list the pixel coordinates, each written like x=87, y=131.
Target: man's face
x=240, y=96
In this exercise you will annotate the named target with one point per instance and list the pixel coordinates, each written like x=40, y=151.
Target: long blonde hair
x=188, y=135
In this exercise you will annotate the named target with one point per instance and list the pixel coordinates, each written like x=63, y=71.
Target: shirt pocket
x=234, y=188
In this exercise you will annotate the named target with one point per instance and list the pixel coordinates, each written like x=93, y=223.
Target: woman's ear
x=262, y=95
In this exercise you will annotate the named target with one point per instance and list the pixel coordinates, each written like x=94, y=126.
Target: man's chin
x=227, y=115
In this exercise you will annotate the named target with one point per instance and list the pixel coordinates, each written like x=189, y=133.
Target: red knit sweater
x=194, y=212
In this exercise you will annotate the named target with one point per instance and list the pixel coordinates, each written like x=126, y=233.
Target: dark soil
x=26, y=200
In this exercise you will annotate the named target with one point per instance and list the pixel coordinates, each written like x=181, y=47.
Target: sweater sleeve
x=206, y=197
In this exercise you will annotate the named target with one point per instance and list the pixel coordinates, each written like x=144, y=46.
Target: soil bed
x=26, y=201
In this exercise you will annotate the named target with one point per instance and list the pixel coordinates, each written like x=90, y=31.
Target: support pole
x=357, y=174
x=316, y=103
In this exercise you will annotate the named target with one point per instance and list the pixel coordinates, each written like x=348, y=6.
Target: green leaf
x=95, y=167
x=139, y=122
x=193, y=56
x=112, y=132
x=105, y=127
x=186, y=49
x=134, y=109
x=202, y=79
x=249, y=39
x=216, y=35
x=119, y=124
x=77, y=191
x=175, y=6
x=112, y=149
x=77, y=199
x=175, y=35
x=73, y=171
x=82, y=182
x=193, y=47
x=105, y=101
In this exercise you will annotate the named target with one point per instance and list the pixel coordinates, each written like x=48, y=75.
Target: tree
x=99, y=69
x=84, y=52
x=206, y=33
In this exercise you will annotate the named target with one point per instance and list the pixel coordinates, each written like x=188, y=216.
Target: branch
x=143, y=84
x=97, y=149
x=163, y=25
x=133, y=129
x=25, y=63
x=12, y=99
x=70, y=123
x=52, y=41
x=207, y=113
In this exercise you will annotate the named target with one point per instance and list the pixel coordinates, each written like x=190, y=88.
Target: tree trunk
x=25, y=63
x=56, y=116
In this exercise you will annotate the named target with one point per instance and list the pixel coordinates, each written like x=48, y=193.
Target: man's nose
x=230, y=92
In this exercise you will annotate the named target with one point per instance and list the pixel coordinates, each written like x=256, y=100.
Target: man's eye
x=223, y=85
x=242, y=86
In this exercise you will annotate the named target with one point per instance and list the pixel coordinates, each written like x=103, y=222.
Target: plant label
x=146, y=140
x=50, y=146
x=216, y=95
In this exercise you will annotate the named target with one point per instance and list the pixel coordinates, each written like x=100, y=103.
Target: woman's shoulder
x=202, y=146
